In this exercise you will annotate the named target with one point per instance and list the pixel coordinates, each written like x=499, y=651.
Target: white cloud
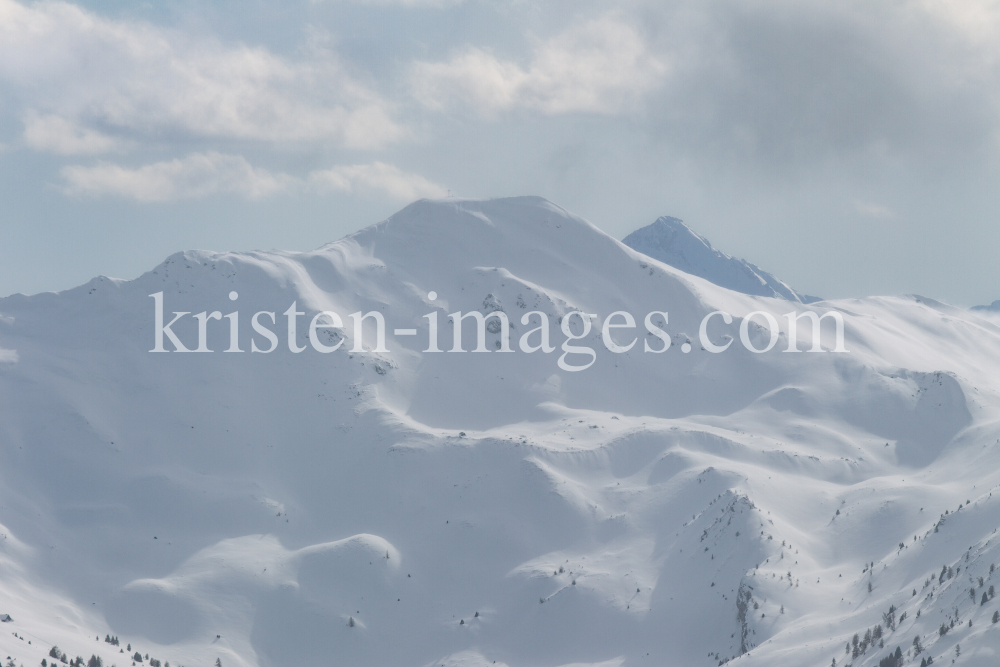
x=377, y=177
x=61, y=135
x=196, y=175
x=150, y=81
x=202, y=174
x=599, y=66
x=978, y=20
x=873, y=210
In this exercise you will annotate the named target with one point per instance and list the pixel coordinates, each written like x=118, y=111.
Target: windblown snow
x=415, y=509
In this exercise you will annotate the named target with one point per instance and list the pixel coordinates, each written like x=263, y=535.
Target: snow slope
x=412, y=508
x=672, y=242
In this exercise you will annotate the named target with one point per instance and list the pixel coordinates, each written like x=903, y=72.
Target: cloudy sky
x=849, y=147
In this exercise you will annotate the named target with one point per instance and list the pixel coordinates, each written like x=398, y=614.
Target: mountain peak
x=672, y=242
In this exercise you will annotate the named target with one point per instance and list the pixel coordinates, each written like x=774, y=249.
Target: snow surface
x=479, y=509
x=672, y=242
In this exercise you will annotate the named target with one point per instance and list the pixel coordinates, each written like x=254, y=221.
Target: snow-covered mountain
x=992, y=308
x=415, y=508
x=990, y=312
x=672, y=242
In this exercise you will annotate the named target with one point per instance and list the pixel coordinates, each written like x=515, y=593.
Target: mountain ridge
x=992, y=308
x=412, y=508
x=672, y=242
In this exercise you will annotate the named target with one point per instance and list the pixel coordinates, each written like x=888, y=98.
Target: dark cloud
x=787, y=86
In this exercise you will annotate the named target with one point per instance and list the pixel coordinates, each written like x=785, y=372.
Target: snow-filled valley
x=406, y=508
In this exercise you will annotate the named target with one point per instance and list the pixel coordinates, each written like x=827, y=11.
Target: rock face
x=667, y=508
x=672, y=242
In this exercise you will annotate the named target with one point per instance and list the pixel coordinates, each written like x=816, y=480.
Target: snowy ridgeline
x=407, y=508
x=672, y=242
